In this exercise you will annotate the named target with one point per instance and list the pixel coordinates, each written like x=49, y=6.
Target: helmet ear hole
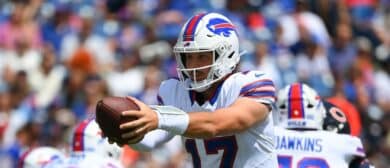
x=283, y=106
x=231, y=55
x=310, y=105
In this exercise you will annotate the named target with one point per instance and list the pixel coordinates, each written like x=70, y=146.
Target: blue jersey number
x=306, y=162
x=228, y=144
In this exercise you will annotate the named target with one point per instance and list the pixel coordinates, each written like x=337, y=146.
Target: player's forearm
x=217, y=123
x=194, y=124
x=201, y=125
x=240, y=116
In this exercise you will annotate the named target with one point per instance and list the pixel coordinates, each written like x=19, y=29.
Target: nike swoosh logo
x=258, y=75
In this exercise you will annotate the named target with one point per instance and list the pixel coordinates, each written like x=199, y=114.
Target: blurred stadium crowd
x=59, y=57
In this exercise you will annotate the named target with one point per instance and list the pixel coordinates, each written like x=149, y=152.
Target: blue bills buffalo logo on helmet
x=220, y=27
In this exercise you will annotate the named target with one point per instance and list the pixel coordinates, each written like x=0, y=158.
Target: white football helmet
x=40, y=157
x=207, y=32
x=300, y=107
x=87, y=138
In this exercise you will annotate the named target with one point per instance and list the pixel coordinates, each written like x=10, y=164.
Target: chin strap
x=243, y=52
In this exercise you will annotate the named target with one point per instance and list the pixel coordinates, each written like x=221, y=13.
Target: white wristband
x=171, y=119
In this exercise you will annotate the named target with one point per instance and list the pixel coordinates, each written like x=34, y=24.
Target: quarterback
x=223, y=116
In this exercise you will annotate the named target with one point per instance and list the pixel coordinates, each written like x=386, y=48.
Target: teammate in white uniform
x=88, y=139
x=223, y=116
x=300, y=140
x=87, y=161
x=90, y=149
x=40, y=157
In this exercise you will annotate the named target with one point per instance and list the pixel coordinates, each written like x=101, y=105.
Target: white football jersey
x=251, y=148
x=39, y=157
x=87, y=138
x=322, y=149
x=88, y=161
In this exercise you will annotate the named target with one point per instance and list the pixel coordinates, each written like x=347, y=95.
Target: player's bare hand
x=146, y=120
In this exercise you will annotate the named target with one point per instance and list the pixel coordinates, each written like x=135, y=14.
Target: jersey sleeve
x=152, y=140
x=258, y=86
x=353, y=146
x=166, y=91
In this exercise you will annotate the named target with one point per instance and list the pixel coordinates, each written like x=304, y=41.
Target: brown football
x=108, y=116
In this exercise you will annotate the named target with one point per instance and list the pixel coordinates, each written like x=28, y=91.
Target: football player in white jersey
x=88, y=139
x=88, y=143
x=223, y=115
x=301, y=141
x=87, y=161
x=40, y=157
x=90, y=149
